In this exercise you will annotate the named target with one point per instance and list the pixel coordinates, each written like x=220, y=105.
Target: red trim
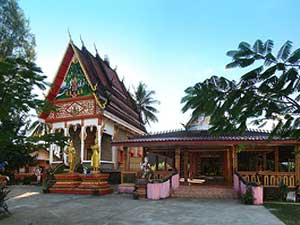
x=203, y=142
x=61, y=73
x=59, y=78
x=73, y=99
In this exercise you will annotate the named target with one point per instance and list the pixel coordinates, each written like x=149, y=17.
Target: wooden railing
x=270, y=179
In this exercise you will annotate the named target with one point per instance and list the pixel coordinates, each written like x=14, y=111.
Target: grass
x=286, y=212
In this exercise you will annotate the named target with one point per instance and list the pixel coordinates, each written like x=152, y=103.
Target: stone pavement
x=30, y=207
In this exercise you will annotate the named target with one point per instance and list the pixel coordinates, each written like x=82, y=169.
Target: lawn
x=286, y=212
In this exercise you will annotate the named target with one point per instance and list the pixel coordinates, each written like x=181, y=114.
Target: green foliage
x=15, y=37
x=144, y=102
x=17, y=80
x=19, y=76
x=247, y=198
x=269, y=91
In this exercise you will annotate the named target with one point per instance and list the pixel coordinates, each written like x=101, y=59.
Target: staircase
x=205, y=192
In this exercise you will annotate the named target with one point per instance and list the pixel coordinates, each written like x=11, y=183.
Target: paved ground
x=29, y=206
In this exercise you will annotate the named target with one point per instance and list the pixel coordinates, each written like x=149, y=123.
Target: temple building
x=202, y=159
x=90, y=97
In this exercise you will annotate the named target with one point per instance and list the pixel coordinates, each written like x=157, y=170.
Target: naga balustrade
x=270, y=179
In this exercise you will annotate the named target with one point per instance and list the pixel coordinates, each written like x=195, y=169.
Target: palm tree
x=144, y=102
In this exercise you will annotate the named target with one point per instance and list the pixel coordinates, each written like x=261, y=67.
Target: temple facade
x=90, y=98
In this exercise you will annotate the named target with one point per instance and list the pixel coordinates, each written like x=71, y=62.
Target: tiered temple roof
x=105, y=83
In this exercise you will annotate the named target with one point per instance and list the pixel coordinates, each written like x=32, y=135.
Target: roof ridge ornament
x=70, y=36
x=82, y=43
x=96, y=49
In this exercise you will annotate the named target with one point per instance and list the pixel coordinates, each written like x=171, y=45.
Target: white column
x=82, y=143
x=51, y=151
x=115, y=156
x=66, y=133
x=99, y=142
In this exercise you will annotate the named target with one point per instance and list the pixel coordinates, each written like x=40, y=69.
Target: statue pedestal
x=96, y=183
x=66, y=181
x=74, y=183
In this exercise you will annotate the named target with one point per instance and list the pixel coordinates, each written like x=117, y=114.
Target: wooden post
x=185, y=166
x=276, y=158
x=229, y=167
x=165, y=164
x=126, y=157
x=177, y=159
x=234, y=159
x=156, y=162
x=297, y=164
x=264, y=161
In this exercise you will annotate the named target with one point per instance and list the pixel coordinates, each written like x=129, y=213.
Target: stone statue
x=71, y=152
x=95, y=155
x=146, y=168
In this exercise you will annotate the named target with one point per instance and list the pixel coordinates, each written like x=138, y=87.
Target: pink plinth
x=258, y=195
x=236, y=183
x=243, y=188
x=124, y=189
x=164, y=189
x=175, y=181
x=153, y=191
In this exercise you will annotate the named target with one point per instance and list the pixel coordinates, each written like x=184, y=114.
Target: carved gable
x=74, y=84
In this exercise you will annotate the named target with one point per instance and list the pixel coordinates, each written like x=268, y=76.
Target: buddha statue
x=71, y=152
x=95, y=155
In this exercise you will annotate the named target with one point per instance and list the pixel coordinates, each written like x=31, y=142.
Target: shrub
x=247, y=198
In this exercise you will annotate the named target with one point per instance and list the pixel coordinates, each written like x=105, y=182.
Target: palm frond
x=284, y=51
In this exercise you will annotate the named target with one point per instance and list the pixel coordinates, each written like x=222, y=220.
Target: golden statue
x=95, y=158
x=71, y=152
x=95, y=155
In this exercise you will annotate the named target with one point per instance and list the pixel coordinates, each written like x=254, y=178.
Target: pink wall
x=175, y=181
x=236, y=183
x=157, y=191
x=258, y=195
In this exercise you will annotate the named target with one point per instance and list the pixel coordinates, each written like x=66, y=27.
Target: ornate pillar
x=51, y=151
x=66, y=133
x=100, y=130
x=82, y=143
x=115, y=148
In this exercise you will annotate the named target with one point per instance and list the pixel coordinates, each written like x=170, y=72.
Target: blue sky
x=169, y=45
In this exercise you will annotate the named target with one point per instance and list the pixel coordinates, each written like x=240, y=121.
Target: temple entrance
x=207, y=168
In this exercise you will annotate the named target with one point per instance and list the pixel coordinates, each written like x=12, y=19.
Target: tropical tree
x=144, y=102
x=270, y=91
x=19, y=76
x=16, y=40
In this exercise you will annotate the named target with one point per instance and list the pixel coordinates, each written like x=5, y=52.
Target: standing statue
x=146, y=168
x=95, y=158
x=95, y=155
x=71, y=152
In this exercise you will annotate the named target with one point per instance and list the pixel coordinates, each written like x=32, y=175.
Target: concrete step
x=204, y=192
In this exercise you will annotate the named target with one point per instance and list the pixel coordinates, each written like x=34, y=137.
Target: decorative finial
x=82, y=43
x=70, y=37
x=96, y=49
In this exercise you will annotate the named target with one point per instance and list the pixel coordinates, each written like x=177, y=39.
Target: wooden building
x=89, y=96
x=201, y=158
